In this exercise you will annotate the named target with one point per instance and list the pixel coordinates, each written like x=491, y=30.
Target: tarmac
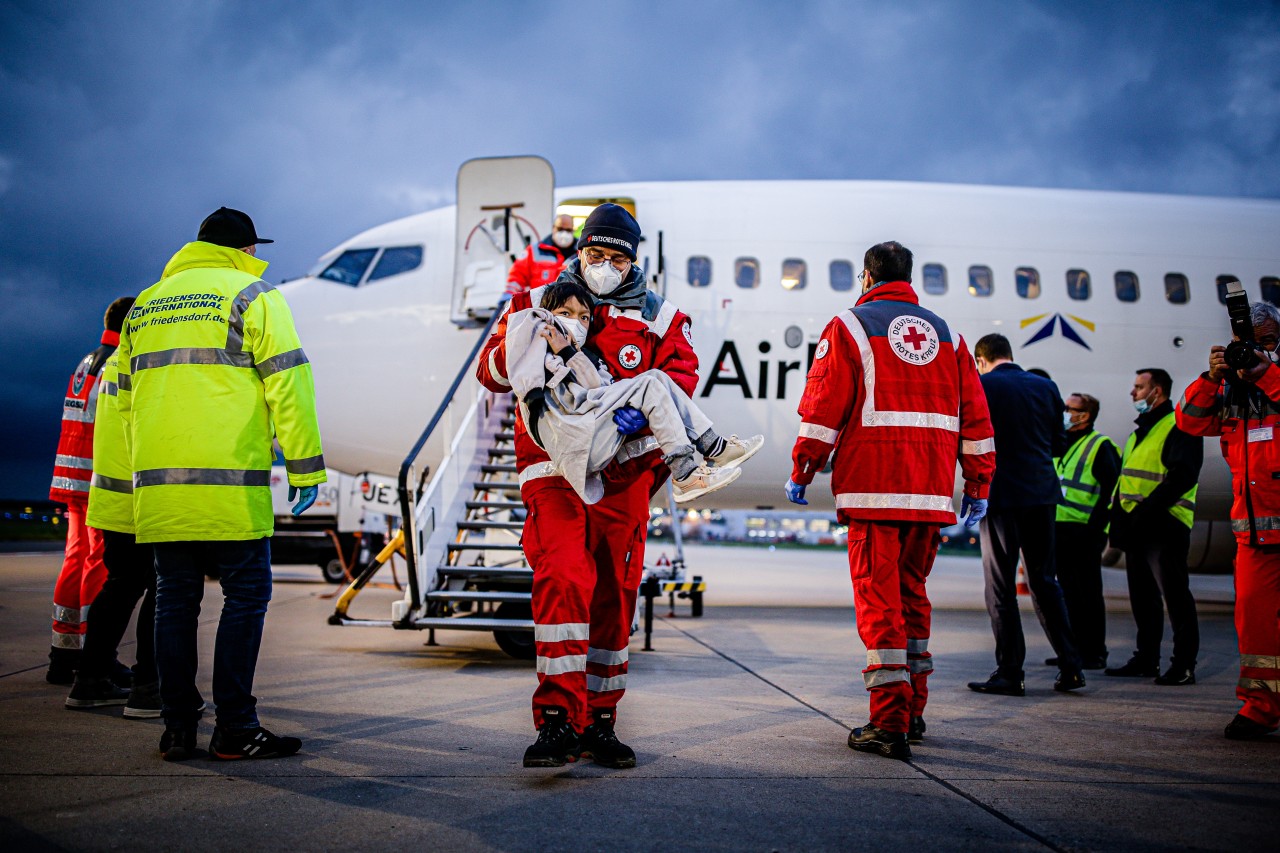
x=739, y=719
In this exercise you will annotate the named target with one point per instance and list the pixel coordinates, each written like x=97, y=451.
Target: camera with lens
x=1241, y=353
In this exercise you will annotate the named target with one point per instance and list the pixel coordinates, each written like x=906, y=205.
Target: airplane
x=1089, y=286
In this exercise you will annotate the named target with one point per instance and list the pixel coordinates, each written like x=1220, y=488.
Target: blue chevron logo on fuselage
x=1058, y=321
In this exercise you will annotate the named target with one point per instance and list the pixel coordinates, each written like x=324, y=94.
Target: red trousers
x=1258, y=629
x=82, y=575
x=587, y=564
x=889, y=562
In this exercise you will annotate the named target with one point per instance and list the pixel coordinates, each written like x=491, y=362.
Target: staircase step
x=491, y=525
x=486, y=572
x=497, y=486
x=501, y=451
x=509, y=423
x=495, y=505
x=472, y=623
x=483, y=546
x=505, y=436
x=498, y=469
x=474, y=595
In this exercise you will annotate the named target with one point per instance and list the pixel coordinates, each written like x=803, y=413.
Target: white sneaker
x=736, y=451
x=704, y=480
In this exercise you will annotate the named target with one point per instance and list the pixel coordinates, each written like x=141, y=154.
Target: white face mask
x=563, y=239
x=1066, y=420
x=602, y=278
x=1143, y=406
x=578, y=331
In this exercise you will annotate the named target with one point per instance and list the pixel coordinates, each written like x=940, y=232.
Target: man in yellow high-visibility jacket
x=210, y=370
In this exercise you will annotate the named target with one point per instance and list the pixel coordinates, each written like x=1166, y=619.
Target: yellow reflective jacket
x=111, y=489
x=210, y=369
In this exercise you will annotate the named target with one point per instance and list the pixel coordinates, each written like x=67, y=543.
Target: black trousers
x=1028, y=531
x=1155, y=557
x=131, y=575
x=1078, y=560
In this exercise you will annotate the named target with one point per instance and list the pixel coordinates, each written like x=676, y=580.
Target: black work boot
x=1243, y=728
x=916, y=733
x=869, y=738
x=602, y=746
x=557, y=742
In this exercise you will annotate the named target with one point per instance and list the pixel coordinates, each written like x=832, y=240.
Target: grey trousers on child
x=674, y=419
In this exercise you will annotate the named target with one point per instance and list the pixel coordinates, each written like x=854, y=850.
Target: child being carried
x=568, y=397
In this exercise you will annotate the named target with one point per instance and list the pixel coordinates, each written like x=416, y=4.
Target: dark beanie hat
x=610, y=227
x=231, y=228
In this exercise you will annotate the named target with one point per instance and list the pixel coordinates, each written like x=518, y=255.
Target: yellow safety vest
x=111, y=489
x=1141, y=470
x=210, y=369
x=1080, y=489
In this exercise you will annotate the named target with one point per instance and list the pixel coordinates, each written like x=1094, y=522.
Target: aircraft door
x=504, y=203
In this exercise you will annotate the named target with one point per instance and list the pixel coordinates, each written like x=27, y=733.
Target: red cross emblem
x=915, y=337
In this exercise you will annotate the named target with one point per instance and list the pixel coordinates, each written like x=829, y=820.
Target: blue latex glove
x=630, y=420
x=306, y=497
x=795, y=493
x=973, y=510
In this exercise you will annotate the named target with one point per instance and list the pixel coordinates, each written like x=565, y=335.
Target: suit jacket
x=1026, y=413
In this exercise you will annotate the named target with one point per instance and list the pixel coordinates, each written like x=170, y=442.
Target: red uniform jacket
x=541, y=264
x=1250, y=442
x=73, y=466
x=896, y=394
x=630, y=341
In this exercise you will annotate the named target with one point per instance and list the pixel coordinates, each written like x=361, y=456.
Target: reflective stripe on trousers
x=880, y=677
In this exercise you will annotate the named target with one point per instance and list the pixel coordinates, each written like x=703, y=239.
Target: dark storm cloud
x=123, y=124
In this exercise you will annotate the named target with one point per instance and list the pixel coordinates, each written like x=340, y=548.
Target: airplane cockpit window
x=1222, y=287
x=746, y=273
x=980, y=281
x=1176, y=288
x=1028, y=282
x=1078, y=285
x=1270, y=289
x=349, y=266
x=699, y=271
x=841, y=274
x=795, y=274
x=396, y=260
x=1127, y=286
x=935, y=279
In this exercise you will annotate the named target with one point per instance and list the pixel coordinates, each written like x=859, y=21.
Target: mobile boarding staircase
x=461, y=527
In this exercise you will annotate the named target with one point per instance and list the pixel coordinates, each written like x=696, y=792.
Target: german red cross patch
x=913, y=340
x=629, y=356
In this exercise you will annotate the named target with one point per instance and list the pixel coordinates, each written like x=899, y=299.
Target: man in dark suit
x=1026, y=414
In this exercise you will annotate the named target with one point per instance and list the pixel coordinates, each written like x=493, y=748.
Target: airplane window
x=980, y=281
x=396, y=260
x=935, y=279
x=746, y=273
x=1126, y=286
x=1270, y=289
x=1176, y=288
x=1028, y=281
x=795, y=274
x=1222, y=287
x=349, y=266
x=1078, y=284
x=699, y=271
x=841, y=273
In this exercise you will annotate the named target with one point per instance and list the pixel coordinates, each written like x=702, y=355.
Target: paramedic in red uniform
x=1243, y=407
x=543, y=261
x=588, y=559
x=895, y=394
x=83, y=571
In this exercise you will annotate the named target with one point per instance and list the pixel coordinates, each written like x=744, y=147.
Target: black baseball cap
x=230, y=228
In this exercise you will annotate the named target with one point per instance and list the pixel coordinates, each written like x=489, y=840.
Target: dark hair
x=1091, y=405
x=557, y=294
x=1160, y=377
x=888, y=262
x=993, y=347
x=1041, y=372
x=116, y=312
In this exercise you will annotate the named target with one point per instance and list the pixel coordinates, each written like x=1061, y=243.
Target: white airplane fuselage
x=385, y=351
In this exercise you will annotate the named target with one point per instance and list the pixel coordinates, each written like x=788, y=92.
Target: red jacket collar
x=111, y=339
x=898, y=291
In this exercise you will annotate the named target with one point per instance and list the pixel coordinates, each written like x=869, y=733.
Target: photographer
x=1238, y=398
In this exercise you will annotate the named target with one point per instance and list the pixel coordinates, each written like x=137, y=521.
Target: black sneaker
x=1177, y=676
x=98, y=693
x=144, y=702
x=1134, y=668
x=557, y=742
x=1243, y=728
x=254, y=743
x=872, y=739
x=916, y=733
x=601, y=745
x=178, y=744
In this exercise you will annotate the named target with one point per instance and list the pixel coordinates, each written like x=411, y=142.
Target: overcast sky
x=123, y=124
